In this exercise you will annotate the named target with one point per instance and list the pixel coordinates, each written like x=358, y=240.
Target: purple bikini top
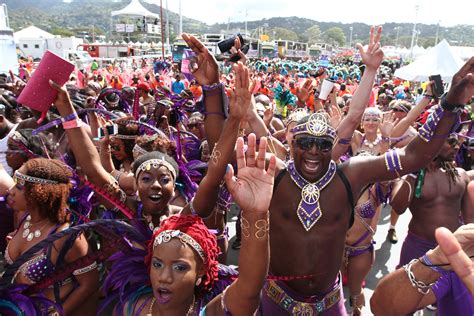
x=366, y=210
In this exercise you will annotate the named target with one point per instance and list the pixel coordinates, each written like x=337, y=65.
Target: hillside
x=94, y=16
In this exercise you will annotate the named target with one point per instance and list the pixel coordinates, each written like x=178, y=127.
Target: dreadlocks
x=451, y=172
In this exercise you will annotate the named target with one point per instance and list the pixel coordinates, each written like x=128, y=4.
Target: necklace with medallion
x=309, y=210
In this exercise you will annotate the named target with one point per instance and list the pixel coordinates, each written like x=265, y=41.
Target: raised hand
x=252, y=189
x=388, y=123
x=462, y=85
x=62, y=100
x=303, y=93
x=268, y=114
x=240, y=96
x=456, y=249
x=205, y=70
x=373, y=56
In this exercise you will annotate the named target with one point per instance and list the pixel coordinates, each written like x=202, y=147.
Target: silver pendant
x=371, y=145
x=25, y=233
x=30, y=237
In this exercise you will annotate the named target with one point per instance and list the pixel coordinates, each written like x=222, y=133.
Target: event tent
x=135, y=8
x=32, y=32
x=439, y=60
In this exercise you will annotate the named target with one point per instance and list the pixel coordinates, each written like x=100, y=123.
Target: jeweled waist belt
x=297, y=308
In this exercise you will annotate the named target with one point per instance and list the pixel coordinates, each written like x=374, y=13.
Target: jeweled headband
x=21, y=178
x=317, y=125
x=138, y=151
x=155, y=164
x=372, y=111
x=120, y=136
x=166, y=235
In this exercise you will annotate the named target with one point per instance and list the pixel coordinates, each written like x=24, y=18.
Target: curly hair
x=39, y=144
x=156, y=143
x=51, y=199
x=194, y=227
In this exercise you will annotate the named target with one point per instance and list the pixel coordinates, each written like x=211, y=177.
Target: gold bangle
x=262, y=227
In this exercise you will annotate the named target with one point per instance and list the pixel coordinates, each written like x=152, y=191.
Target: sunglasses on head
x=306, y=143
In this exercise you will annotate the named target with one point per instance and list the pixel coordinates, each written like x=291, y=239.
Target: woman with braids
x=183, y=274
x=155, y=173
x=41, y=190
x=436, y=196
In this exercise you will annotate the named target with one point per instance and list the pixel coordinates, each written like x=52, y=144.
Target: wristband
x=56, y=122
x=450, y=107
x=211, y=90
x=73, y=124
x=427, y=263
x=428, y=96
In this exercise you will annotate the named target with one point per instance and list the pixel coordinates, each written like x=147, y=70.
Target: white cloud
x=449, y=13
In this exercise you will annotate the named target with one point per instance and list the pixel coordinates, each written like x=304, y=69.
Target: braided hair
x=194, y=227
x=451, y=172
x=51, y=199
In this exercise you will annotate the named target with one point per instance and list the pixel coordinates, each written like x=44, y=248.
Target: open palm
x=252, y=188
x=205, y=70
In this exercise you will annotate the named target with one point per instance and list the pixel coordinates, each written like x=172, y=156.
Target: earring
x=199, y=280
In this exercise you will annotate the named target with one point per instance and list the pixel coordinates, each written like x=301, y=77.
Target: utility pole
x=167, y=27
x=414, y=32
x=180, y=19
x=350, y=37
x=398, y=33
x=162, y=31
x=437, y=32
x=246, y=12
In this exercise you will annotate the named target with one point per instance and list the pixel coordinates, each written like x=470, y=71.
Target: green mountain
x=68, y=18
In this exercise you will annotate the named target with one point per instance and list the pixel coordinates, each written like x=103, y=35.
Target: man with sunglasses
x=313, y=200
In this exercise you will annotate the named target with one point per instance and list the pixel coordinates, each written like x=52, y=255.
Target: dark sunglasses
x=306, y=143
x=115, y=147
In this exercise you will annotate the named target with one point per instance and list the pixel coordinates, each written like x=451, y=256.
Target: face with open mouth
x=175, y=268
x=312, y=155
x=155, y=188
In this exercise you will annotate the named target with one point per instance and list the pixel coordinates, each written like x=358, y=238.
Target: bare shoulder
x=470, y=174
x=464, y=175
x=130, y=308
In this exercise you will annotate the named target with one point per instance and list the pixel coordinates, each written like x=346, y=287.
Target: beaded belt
x=297, y=308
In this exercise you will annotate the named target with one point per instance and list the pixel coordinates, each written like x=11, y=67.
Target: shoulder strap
x=278, y=179
x=348, y=187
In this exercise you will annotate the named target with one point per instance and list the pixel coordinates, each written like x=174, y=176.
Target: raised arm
x=372, y=58
x=252, y=190
x=424, y=147
x=84, y=150
x=411, y=117
x=222, y=153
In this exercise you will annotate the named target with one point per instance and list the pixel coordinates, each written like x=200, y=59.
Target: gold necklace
x=153, y=300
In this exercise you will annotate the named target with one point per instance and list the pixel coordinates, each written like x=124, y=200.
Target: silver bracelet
x=86, y=269
x=422, y=287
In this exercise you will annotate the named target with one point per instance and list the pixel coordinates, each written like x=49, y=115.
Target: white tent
x=135, y=8
x=439, y=60
x=32, y=32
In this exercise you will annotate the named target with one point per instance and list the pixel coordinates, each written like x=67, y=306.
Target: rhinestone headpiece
x=317, y=125
x=21, y=178
x=138, y=151
x=155, y=164
x=166, y=235
x=120, y=136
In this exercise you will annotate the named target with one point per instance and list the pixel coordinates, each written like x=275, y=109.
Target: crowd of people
x=116, y=203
